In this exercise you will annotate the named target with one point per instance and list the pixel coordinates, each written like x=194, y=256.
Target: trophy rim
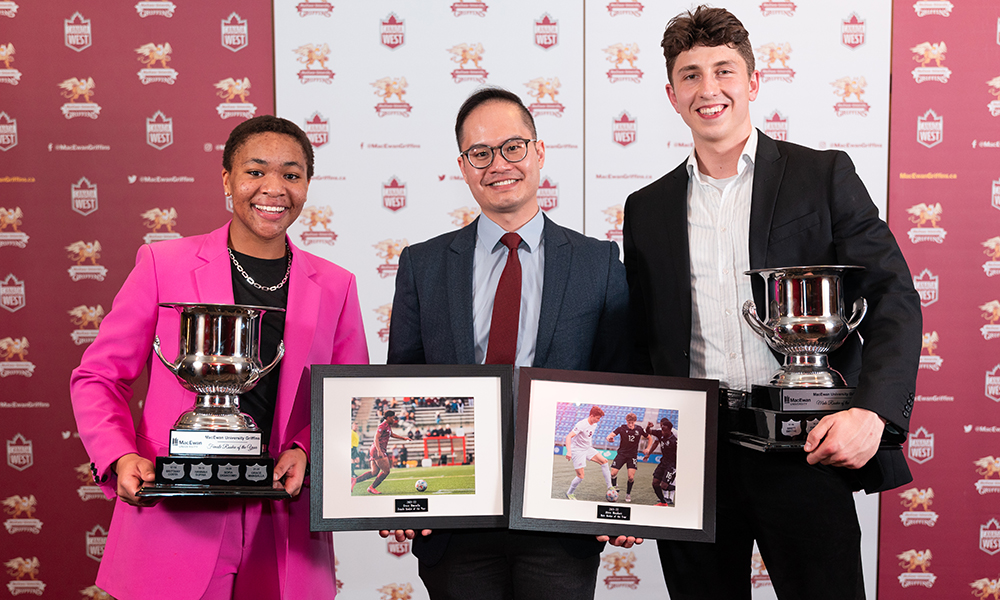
x=219, y=307
x=802, y=270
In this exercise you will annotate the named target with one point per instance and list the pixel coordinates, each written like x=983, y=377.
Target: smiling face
x=268, y=185
x=712, y=91
x=506, y=192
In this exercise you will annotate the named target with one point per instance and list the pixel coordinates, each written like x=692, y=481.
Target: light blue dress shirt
x=487, y=266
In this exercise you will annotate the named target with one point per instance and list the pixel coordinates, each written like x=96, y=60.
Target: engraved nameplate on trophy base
x=801, y=399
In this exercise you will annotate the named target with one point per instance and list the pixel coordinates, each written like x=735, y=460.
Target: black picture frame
x=537, y=500
x=334, y=504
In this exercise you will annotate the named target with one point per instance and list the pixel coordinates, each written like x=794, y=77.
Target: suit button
x=105, y=478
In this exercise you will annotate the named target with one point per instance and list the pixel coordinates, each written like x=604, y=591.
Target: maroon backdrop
x=940, y=536
x=58, y=153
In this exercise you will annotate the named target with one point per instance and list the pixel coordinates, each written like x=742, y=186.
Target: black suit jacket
x=581, y=326
x=807, y=208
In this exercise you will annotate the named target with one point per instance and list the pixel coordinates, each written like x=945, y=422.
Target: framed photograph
x=581, y=437
x=410, y=446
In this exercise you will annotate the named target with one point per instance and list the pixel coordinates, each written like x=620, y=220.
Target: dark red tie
x=502, y=348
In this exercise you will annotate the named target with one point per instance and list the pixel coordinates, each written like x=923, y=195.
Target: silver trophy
x=214, y=448
x=804, y=321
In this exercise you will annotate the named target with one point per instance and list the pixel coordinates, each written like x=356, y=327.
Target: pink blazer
x=173, y=546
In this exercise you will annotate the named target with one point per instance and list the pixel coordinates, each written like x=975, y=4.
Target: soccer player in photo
x=666, y=471
x=380, y=459
x=628, y=451
x=580, y=449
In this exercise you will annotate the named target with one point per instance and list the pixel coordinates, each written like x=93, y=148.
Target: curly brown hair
x=705, y=26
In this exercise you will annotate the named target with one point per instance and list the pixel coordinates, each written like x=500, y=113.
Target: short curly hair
x=705, y=26
x=266, y=124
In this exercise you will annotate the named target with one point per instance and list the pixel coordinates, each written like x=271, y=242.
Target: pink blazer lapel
x=213, y=278
x=300, y=328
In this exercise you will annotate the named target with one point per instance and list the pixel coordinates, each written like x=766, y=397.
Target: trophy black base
x=762, y=444
x=213, y=475
x=181, y=490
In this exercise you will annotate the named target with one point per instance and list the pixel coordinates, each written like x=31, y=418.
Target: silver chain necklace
x=272, y=288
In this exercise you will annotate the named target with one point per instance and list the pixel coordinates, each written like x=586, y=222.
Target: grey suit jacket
x=807, y=208
x=581, y=326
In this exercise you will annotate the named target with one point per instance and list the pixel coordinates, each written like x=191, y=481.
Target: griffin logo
x=539, y=88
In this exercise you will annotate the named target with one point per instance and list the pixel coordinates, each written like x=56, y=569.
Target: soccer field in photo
x=593, y=488
x=459, y=479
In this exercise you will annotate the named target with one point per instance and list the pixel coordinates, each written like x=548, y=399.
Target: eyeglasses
x=481, y=156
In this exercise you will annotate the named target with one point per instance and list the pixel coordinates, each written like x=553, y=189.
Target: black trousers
x=803, y=519
x=503, y=565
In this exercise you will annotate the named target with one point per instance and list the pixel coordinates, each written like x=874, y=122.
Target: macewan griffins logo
x=924, y=53
x=845, y=87
x=389, y=250
x=7, y=74
x=539, y=88
x=310, y=54
x=149, y=55
x=386, y=88
x=82, y=251
x=88, y=320
x=994, y=105
x=73, y=88
x=911, y=560
x=987, y=467
x=317, y=216
x=771, y=53
x=464, y=8
x=464, y=54
x=229, y=89
x=922, y=214
x=992, y=250
x=917, y=504
x=616, y=216
x=13, y=351
x=11, y=217
x=619, y=54
x=991, y=312
x=157, y=218
x=930, y=360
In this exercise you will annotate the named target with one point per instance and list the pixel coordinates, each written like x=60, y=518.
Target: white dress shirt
x=723, y=346
x=487, y=266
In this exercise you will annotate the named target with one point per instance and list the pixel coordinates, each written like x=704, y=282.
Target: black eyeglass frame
x=493, y=152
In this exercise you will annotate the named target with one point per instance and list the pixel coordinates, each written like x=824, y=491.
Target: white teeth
x=504, y=182
x=270, y=209
x=710, y=111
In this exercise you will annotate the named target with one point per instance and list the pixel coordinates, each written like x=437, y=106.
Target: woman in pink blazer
x=218, y=548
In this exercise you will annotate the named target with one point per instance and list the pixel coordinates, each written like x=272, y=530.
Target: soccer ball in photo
x=421, y=485
x=612, y=495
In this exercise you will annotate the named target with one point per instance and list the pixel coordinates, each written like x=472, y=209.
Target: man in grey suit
x=572, y=315
x=744, y=201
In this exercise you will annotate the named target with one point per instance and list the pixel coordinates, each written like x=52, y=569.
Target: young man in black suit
x=744, y=201
x=573, y=310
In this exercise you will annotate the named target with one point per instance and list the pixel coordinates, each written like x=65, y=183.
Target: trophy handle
x=860, y=309
x=277, y=357
x=750, y=316
x=156, y=348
